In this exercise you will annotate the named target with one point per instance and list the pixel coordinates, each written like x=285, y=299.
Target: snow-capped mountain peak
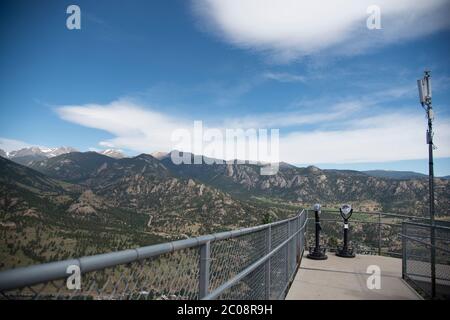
x=160, y=155
x=40, y=151
x=53, y=152
x=26, y=156
x=113, y=153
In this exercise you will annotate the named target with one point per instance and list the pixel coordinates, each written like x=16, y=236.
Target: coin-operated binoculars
x=317, y=253
x=344, y=251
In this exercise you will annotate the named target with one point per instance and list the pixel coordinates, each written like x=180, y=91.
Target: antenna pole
x=429, y=111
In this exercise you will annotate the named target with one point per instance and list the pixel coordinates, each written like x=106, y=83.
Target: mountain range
x=26, y=156
x=91, y=202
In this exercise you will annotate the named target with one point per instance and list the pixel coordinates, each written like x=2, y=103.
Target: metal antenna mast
x=424, y=86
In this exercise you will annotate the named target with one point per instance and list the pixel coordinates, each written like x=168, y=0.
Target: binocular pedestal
x=345, y=251
x=317, y=253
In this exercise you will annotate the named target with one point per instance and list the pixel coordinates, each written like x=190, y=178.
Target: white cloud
x=366, y=139
x=290, y=119
x=134, y=127
x=373, y=139
x=288, y=29
x=9, y=145
x=284, y=77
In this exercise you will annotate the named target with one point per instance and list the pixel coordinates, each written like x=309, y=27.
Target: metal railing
x=376, y=233
x=431, y=279
x=253, y=263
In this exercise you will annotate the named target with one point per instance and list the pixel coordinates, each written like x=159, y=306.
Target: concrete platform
x=346, y=279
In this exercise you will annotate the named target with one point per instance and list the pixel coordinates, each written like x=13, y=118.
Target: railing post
x=269, y=248
x=297, y=240
x=403, y=250
x=287, y=251
x=379, y=233
x=205, y=253
x=303, y=221
x=301, y=234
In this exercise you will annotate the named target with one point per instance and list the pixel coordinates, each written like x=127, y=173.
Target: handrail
x=436, y=226
x=378, y=213
x=361, y=221
x=425, y=243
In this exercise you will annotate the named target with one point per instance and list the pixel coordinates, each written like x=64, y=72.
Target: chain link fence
x=418, y=262
x=252, y=263
x=376, y=233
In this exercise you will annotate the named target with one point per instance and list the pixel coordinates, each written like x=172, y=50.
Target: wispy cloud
x=284, y=77
x=374, y=139
x=314, y=138
x=337, y=111
x=289, y=29
x=9, y=145
x=134, y=127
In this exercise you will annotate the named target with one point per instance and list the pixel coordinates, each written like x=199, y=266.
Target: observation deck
x=346, y=279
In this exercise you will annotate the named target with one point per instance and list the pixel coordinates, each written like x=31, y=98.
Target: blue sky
x=341, y=95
